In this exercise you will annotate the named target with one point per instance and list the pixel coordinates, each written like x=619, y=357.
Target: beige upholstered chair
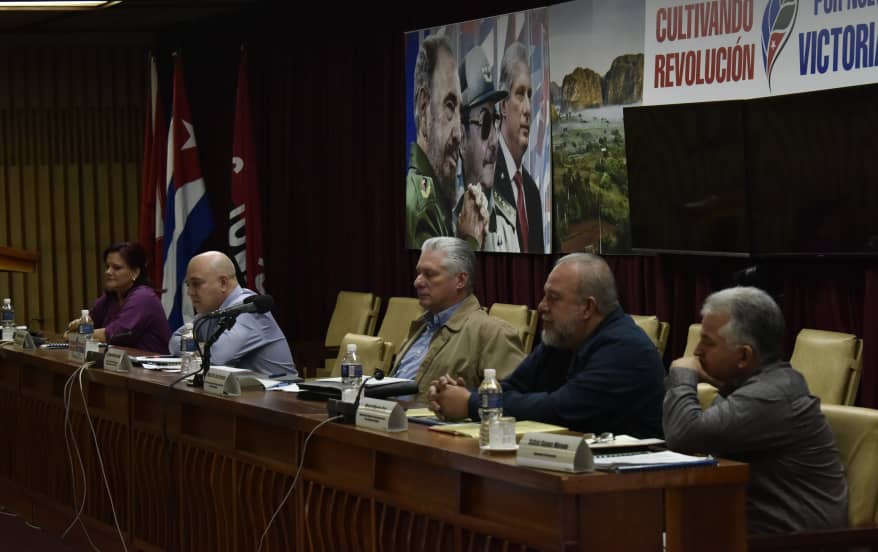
x=706, y=394
x=831, y=363
x=374, y=353
x=401, y=312
x=856, y=436
x=521, y=317
x=656, y=330
x=355, y=312
x=692, y=339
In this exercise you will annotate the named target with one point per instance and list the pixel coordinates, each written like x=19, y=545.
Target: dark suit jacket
x=503, y=183
x=613, y=381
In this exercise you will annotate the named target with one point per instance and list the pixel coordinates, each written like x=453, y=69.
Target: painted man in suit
x=512, y=181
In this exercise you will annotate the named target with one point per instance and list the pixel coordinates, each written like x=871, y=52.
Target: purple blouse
x=139, y=322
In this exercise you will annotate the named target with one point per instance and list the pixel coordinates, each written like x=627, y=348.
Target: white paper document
x=372, y=382
x=629, y=461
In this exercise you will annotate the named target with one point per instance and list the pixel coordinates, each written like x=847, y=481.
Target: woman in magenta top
x=129, y=313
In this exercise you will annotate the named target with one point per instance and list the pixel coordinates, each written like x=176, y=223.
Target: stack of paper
x=632, y=461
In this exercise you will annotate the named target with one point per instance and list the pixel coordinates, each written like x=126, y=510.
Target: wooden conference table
x=227, y=462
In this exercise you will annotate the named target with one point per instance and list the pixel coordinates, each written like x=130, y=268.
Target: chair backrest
x=401, y=312
x=706, y=394
x=856, y=436
x=831, y=363
x=374, y=353
x=522, y=318
x=692, y=339
x=355, y=312
x=533, y=320
x=656, y=330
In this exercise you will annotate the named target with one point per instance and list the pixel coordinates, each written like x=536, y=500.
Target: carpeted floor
x=16, y=536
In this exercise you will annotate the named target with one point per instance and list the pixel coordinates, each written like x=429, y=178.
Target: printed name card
x=116, y=360
x=226, y=380
x=80, y=346
x=549, y=451
x=22, y=339
x=381, y=415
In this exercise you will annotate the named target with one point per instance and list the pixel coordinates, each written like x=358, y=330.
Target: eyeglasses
x=487, y=119
x=605, y=437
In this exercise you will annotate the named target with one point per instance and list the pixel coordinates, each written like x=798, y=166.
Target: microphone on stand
x=252, y=303
x=338, y=407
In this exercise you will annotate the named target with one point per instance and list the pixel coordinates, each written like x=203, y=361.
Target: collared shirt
x=511, y=167
x=411, y=362
x=255, y=342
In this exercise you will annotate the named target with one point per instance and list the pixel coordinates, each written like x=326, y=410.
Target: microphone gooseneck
x=252, y=303
x=378, y=375
x=337, y=407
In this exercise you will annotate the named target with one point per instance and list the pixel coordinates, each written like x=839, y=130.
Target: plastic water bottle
x=8, y=314
x=351, y=374
x=490, y=404
x=8, y=317
x=86, y=324
x=188, y=348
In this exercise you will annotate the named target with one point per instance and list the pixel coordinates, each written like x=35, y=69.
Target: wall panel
x=70, y=170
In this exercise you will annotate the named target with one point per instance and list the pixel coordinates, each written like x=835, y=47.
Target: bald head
x=216, y=262
x=210, y=279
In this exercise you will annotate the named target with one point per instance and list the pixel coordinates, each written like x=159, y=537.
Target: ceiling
x=131, y=16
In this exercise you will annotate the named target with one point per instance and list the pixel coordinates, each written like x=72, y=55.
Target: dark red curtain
x=328, y=107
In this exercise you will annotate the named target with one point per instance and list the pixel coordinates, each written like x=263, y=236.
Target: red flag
x=245, y=216
x=152, y=195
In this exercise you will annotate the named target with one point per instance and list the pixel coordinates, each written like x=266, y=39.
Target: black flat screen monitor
x=814, y=173
x=687, y=178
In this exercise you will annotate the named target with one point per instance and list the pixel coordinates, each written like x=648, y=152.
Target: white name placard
x=226, y=380
x=8, y=334
x=549, y=451
x=116, y=360
x=80, y=346
x=381, y=415
x=23, y=340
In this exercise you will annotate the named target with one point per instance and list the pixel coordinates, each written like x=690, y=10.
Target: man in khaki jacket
x=455, y=336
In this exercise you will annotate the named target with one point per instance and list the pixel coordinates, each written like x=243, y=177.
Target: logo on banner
x=777, y=26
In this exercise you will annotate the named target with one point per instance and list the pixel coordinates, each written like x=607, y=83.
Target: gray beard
x=559, y=336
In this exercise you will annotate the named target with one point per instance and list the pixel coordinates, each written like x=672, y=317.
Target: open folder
x=471, y=429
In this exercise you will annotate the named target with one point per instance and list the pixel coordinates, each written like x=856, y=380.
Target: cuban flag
x=188, y=219
x=152, y=197
x=245, y=218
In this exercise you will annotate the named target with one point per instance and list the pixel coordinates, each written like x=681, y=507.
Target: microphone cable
x=78, y=376
x=295, y=479
x=70, y=438
x=101, y=460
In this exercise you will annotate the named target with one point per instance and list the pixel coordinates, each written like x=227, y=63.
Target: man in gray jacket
x=764, y=416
